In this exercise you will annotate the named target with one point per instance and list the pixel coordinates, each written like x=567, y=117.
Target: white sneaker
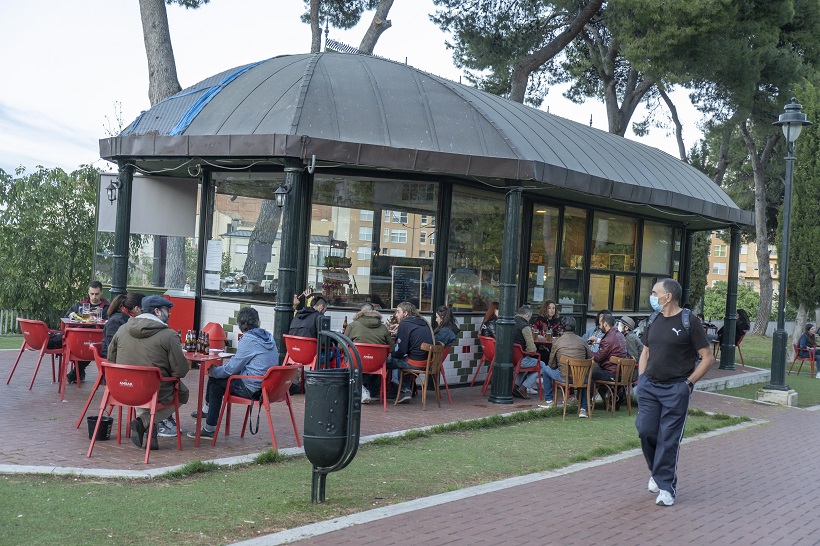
x=583, y=414
x=653, y=487
x=532, y=390
x=665, y=498
x=817, y=375
x=365, y=395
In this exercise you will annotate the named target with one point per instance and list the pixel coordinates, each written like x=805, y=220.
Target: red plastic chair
x=137, y=387
x=301, y=350
x=98, y=360
x=716, y=348
x=275, y=385
x=374, y=360
x=810, y=359
x=77, y=344
x=488, y=350
x=517, y=357
x=35, y=338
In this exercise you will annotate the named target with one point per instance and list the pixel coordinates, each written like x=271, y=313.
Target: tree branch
x=378, y=25
x=675, y=119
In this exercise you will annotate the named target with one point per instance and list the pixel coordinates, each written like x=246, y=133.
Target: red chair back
x=278, y=380
x=373, y=356
x=78, y=342
x=301, y=350
x=488, y=347
x=98, y=359
x=130, y=385
x=518, y=355
x=35, y=333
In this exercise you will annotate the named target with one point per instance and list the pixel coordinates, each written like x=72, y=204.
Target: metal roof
x=363, y=111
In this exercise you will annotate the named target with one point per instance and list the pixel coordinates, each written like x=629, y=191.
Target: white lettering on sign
x=126, y=384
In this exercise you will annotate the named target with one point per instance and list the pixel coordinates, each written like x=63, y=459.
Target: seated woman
x=548, y=322
x=446, y=326
x=489, y=322
x=121, y=309
x=807, y=341
x=742, y=326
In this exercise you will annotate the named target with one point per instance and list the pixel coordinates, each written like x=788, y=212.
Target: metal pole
x=122, y=230
x=780, y=338
x=727, y=348
x=501, y=384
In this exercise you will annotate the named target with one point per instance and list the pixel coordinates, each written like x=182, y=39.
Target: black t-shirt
x=672, y=350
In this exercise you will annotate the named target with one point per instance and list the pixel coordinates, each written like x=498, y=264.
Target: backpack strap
x=685, y=319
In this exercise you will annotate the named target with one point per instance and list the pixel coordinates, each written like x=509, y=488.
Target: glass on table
x=86, y=311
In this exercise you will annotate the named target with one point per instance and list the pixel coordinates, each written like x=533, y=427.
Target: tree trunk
x=162, y=69
x=723, y=155
x=264, y=233
x=758, y=162
x=378, y=25
x=315, y=28
x=675, y=119
x=175, y=275
x=525, y=67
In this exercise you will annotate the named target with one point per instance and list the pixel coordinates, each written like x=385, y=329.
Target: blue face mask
x=653, y=301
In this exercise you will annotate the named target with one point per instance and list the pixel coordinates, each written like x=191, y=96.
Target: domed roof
x=369, y=112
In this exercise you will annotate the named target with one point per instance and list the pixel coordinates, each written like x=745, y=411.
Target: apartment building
x=749, y=268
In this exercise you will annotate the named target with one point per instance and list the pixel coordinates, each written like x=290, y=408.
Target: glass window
x=646, y=288
x=365, y=233
x=422, y=237
x=598, y=291
x=366, y=215
x=543, y=255
x=424, y=219
x=623, y=294
x=719, y=268
x=613, y=242
x=431, y=239
x=386, y=274
x=249, y=247
x=432, y=254
x=743, y=267
x=421, y=254
x=656, y=253
x=756, y=266
x=573, y=246
x=720, y=251
x=474, y=257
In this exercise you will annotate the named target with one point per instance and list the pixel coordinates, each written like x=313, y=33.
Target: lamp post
x=792, y=122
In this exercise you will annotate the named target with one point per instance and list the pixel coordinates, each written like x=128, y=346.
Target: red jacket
x=613, y=344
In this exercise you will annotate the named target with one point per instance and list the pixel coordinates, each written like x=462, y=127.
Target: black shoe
x=295, y=389
x=71, y=377
x=405, y=397
x=519, y=392
x=154, y=439
x=137, y=432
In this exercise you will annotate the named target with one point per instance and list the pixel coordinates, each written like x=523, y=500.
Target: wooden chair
x=488, y=355
x=35, y=338
x=137, y=387
x=374, y=361
x=810, y=359
x=275, y=386
x=518, y=357
x=625, y=367
x=432, y=368
x=578, y=377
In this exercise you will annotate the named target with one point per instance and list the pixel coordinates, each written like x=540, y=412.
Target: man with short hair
x=255, y=354
x=570, y=345
x=612, y=344
x=367, y=327
x=95, y=301
x=522, y=335
x=146, y=340
x=668, y=371
x=412, y=332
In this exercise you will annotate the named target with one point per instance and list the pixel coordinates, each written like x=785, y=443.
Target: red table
x=205, y=362
x=66, y=322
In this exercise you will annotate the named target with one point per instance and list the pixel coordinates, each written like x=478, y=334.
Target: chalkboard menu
x=406, y=285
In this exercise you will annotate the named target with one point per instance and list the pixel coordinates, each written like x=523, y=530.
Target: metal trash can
x=105, y=427
x=327, y=394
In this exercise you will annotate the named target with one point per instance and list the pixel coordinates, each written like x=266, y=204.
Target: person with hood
x=367, y=327
x=306, y=321
x=121, y=309
x=407, y=353
x=146, y=340
x=255, y=354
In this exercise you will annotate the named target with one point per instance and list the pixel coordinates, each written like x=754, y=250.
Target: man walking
x=146, y=340
x=668, y=372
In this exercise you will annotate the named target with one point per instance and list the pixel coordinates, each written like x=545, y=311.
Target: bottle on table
x=189, y=341
x=344, y=326
x=206, y=343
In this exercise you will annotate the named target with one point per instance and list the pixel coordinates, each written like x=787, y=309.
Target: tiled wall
x=459, y=367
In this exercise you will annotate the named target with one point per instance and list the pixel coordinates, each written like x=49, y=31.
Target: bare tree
x=378, y=25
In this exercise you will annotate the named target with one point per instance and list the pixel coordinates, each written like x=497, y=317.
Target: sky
x=72, y=69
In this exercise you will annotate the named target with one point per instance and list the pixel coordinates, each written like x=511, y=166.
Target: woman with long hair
x=808, y=341
x=446, y=326
x=121, y=309
x=548, y=321
x=490, y=318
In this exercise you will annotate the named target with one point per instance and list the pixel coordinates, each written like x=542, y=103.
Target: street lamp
x=280, y=194
x=792, y=122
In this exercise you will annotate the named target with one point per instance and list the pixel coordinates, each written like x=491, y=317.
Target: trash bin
x=105, y=427
x=327, y=394
x=216, y=335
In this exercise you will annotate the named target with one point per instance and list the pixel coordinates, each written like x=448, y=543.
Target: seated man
x=146, y=340
x=95, y=301
x=255, y=354
x=634, y=346
x=367, y=327
x=412, y=331
x=306, y=324
x=570, y=345
x=612, y=344
x=522, y=335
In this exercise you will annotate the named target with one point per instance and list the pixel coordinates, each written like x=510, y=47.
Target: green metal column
x=445, y=207
x=501, y=385
x=303, y=233
x=122, y=230
x=686, y=265
x=727, y=347
x=289, y=251
x=206, y=209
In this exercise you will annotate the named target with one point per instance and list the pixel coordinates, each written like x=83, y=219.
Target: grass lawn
x=224, y=505
x=11, y=342
x=757, y=352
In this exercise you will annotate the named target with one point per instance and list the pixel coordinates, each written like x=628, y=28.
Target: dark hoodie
x=367, y=327
x=147, y=341
x=413, y=331
x=305, y=323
